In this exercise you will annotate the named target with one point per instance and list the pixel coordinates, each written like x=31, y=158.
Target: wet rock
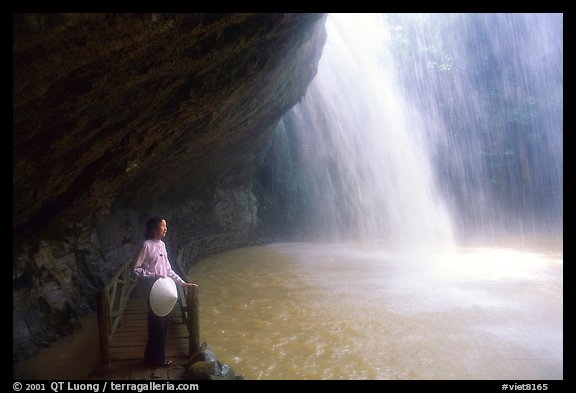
x=140, y=107
x=214, y=370
x=205, y=365
x=236, y=209
x=204, y=355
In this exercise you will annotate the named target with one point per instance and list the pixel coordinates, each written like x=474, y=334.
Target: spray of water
x=362, y=149
x=489, y=87
x=419, y=127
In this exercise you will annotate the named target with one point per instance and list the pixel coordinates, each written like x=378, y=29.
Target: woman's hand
x=189, y=284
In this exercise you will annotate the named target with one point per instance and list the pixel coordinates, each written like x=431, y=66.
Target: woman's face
x=160, y=232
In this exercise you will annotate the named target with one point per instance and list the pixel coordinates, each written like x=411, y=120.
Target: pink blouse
x=153, y=261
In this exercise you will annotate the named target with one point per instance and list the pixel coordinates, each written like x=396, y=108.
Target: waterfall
x=361, y=149
x=421, y=127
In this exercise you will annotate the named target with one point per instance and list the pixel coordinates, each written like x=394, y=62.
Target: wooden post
x=182, y=304
x=104, y=327
x=193, y=319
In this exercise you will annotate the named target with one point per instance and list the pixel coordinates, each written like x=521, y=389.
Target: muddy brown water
x=326, y=311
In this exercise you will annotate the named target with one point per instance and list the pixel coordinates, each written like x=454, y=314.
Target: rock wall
x=118, y=117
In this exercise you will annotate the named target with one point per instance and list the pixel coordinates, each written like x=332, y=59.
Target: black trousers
x=157, y=328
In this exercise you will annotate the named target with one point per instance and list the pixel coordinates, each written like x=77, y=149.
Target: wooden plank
x=135, y=355
x=143, y=309
x=182, y=303
x=127, y=341
x=129, y=336
x=178, y=346
x=160, y=373
x=135, y=321
x=104, y=327
x=135, y=325
x=193, y=319
x=136, y=313
x=143, y=314
x=144, y=338
x=169, y=343
x=144, y=322
x=136, y=303
x=130, y=324
x=113, y=295
x=130, y=349
x=126, y=365
x=123, y=336
x=128, y=356
x=137, y=300
x=123, y=355
x=142, y=341
x=143, y=373
x=140, y=355
x=134, y=329
x=124, y=293
x=138, y=369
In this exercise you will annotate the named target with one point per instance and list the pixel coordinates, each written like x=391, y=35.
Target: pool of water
x=336, y=311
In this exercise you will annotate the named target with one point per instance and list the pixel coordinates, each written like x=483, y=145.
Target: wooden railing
x=112, y=301
x=192, y=320
x=188, y=302
x=111, y=304
x=113, y=298
x=195, y=248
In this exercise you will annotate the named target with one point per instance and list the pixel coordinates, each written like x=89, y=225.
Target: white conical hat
x=163, y=296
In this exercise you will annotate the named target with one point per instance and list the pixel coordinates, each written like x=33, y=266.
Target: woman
x=151, y=264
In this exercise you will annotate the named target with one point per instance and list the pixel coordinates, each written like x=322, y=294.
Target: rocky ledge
x=117, y=117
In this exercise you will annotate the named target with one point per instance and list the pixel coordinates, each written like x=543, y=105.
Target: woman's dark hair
x=151, y=225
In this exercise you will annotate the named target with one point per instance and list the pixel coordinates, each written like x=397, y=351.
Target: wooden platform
x=129, y=341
